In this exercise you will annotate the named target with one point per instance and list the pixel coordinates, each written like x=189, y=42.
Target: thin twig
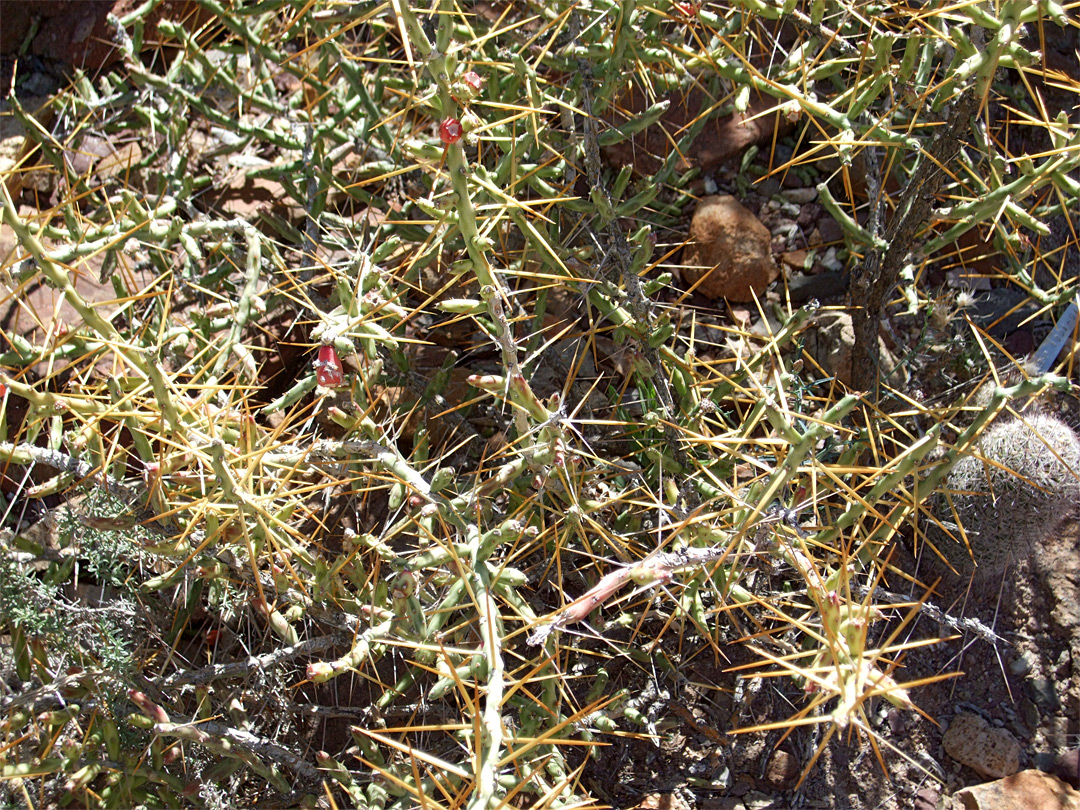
x=242, y=669
x=965, y=625
x=220, y=737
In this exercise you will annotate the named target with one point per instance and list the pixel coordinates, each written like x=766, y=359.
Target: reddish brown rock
x=723, y=138
x=926, y=799
x=1027, y=790
x=729, y=251
x=1067, y=767
x=77, y=31
x=43, y=315
x=249, y=197
x=663, y=801
x=989, y=751
x=782, y=772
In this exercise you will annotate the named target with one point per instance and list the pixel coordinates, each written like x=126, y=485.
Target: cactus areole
x=450, y=130
x=328, y=370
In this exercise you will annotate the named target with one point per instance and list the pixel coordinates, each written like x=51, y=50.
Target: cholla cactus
x=1009, y=496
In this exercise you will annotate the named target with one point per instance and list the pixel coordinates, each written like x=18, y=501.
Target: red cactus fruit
x=328, y=368
x=473, y=80
x=450, y=131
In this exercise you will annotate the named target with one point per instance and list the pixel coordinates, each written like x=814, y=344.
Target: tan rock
x=782, y=772
x=15, y=147
x=102, y=158
x=729, y=251
x=1026, y=790
x=795, y=259
x=989, y=751
x=663, y=801
x=832, y=341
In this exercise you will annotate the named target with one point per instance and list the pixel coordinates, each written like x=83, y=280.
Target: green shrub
x=441, y=394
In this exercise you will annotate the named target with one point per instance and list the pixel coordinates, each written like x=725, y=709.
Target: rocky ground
x=1012, y=708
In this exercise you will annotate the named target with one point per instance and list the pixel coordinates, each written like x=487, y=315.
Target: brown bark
x=873, y=281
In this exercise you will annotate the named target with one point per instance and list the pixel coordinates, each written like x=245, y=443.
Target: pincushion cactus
x=1021, y=483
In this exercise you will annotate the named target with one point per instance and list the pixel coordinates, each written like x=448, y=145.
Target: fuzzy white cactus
x=1018, y=487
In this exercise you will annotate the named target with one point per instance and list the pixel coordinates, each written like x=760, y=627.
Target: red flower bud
x=450, y=131
x=467, y=87
x=328, y=368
